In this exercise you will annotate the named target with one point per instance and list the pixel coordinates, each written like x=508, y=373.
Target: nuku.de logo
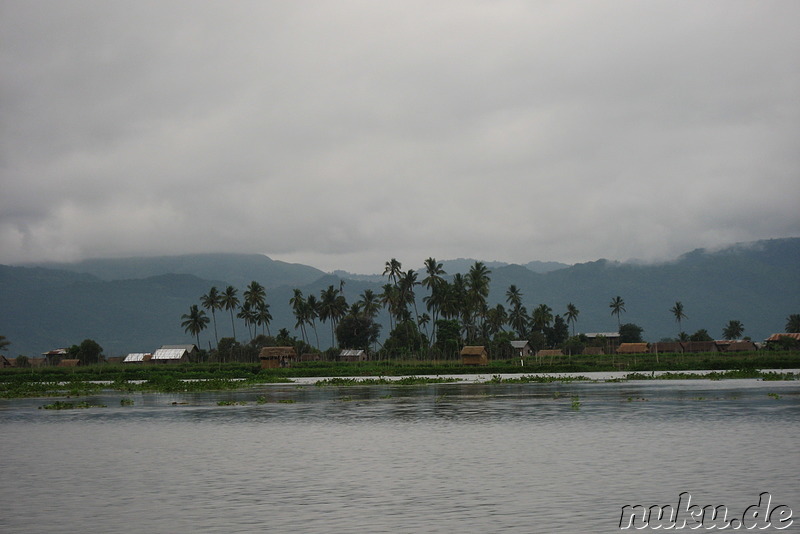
x=690, y=516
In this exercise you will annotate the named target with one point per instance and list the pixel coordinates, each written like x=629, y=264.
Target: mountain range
x=135, y=304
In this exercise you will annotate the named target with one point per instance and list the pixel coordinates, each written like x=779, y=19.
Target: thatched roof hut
x=275, y=357
x=633, y=348
x=593, y=351
x=667, y=346
x=69, y=362
x=474, y=355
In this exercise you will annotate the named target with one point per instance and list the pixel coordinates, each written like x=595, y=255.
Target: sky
x=341, y=134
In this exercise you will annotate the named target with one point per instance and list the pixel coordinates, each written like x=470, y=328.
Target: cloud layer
x=341, y=134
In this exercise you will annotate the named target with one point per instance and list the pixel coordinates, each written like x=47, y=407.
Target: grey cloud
x=340, y=133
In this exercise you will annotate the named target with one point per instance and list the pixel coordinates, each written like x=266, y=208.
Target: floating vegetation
x=286, y=401
x=261, y=399
x=126, y=402
x=63, y=405
x=715, y=375
x=539, y=379
x=381, y=381
x=774, y=395
x=231, y=403
x=576, y=403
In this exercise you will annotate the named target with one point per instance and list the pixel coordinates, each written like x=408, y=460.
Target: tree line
x=455, y=313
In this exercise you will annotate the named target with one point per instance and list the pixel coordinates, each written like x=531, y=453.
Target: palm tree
x=541, y=317
x=572, y=316
x=298, y=304
x=4, y=343
x=230, y=302
x=734, y=330
x=677, y=311
x=332, y=306
x=249, y=314
x=433, y=282
x=477, y=285
x=311, y=314
x=617, y=306
x=370, y=306
x=793, y=323
x=213, y=301
x=263, y=317
x=514, y=296
x=195, y=322
x=393, y=270
x=518, y=319
x=255, y=294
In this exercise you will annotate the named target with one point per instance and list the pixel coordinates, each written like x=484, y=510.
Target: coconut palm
x=677, y=311
x=541, y=317
x=255, y=294
x=369, y=303
x=230, y=302
x=195, y=322
x=514, y=296
x=572, y=316
x=298, y=304
x=249, y=315
x=617, y=306
x=311, y=314
x=518, y=320
x=793, y=323
x=393, y=269
x=734, y=330
x=263, y=317
x=213, y=301
x=332, y=306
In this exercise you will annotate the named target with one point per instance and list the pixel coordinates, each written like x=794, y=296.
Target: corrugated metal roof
x=168, y=354
x=519, y=344
x=136, y=357
x=351, y=352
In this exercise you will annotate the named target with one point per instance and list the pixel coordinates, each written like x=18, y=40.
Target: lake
x=552, y=457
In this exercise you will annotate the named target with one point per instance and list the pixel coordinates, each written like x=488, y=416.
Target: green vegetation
x=195, y=377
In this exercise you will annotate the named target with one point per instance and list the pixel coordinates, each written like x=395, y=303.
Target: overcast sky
x=342, y=134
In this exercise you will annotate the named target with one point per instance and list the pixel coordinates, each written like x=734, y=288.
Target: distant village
x=280, y=357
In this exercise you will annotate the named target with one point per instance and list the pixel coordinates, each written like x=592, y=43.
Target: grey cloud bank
x=341, y=134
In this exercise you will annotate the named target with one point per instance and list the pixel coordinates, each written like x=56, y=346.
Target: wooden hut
x=276, y=357
x=666, y=347
x=137, y=357
x=353, y=355
x=699, y=346
x=522, y=349
x=633, y=348
x=739, y=346
x=474, y=355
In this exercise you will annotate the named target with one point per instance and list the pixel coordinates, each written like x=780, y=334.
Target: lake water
x=528, y=458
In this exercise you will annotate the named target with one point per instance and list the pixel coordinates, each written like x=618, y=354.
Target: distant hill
x=236, y=269
x=136, y=304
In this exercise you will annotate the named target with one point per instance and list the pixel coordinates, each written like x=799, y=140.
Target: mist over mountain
x=135, y=304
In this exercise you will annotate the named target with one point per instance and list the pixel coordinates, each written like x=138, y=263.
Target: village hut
x=667, y=347
x=522, y=349
x=137, y=357
x=699, y=346
x=593, y=351
x=474, y=355
x=353, y=355
x=739, y=346
x=276, y=357
x=633, y=348
x=69, y=362
x=174, y=354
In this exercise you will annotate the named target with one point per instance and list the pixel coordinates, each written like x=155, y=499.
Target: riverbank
x=198, y=377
